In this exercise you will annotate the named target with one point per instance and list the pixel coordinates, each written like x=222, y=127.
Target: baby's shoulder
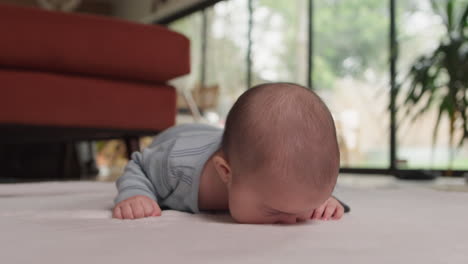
x=187, y=137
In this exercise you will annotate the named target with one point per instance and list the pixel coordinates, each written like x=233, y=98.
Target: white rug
x=71, y=223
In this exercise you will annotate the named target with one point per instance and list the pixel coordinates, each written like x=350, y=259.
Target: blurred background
x=361, y=56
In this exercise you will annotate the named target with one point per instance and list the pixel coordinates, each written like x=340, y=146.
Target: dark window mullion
x=249, y=44
x=393, y=59
x=310, y=43
x=204, y=40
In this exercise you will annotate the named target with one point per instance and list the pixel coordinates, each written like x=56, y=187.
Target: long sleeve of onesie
x=144, y=174
x=168, y=171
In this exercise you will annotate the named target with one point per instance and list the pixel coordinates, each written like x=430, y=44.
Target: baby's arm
x=136, y=198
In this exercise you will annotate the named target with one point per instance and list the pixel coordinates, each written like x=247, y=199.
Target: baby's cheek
x=250, y=219
x=237, y=216
x=244, y=212
x=238, y=211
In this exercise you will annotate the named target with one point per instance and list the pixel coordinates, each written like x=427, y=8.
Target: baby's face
x=273, y=201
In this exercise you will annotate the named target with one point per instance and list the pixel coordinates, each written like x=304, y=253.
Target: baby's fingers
x=318, y=213
x=328, y=212
x=117, y=213
x=338, y=213
x=147, y=208
x=126, y=211
x=151, y=208
x=137, y=209
x=156, y=209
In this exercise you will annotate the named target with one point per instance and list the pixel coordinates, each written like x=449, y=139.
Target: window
x=279, y=35
x=350, y=72
x=191, y=27
x=350, y=68
x=226, y=53
x=420, y=30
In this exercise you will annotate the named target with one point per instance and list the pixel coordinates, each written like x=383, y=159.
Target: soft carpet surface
x=71, y=223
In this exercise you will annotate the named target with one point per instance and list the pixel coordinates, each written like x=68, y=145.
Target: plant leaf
x=441, y=78
x=442, y=109
x=438, y=10
x=463, y=21
x=449, y=9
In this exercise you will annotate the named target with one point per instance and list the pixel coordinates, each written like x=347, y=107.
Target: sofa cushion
x=34, y=98
x=36, y=39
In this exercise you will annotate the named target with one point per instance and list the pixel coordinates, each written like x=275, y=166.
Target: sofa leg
x=132, y=144
x=69, y=166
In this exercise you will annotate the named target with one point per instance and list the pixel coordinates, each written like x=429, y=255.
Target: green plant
x=440, y=79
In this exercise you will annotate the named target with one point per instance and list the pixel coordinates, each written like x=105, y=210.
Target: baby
x=276, y=161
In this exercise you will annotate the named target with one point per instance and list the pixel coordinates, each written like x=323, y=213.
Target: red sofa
x=72, y=76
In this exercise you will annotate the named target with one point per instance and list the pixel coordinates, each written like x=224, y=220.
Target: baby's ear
x=223, y=169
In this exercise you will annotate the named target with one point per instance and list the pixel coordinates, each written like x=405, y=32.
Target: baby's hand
x=331, y=209
x=135, y=207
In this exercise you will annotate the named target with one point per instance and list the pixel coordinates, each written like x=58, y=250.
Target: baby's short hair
x=286, y=129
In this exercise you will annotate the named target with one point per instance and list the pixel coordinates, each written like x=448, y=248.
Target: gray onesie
x=169, y=170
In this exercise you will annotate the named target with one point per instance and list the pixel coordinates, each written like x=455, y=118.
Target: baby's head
x=279, y=155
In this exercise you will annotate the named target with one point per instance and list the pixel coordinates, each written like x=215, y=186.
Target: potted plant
x=440, y=79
